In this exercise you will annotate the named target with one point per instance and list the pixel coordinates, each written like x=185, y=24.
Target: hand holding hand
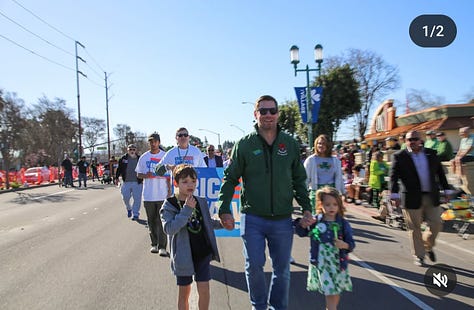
x=227, y=221
x=307, y=219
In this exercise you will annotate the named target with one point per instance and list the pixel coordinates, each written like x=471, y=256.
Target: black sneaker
x=431, y=256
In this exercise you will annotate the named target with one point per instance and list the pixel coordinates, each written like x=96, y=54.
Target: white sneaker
x=292, y=260
x=162, y=252
x=154, y=249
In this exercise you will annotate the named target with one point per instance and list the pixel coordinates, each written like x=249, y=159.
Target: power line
x=97, y=64
x=94, y=82
x=45, y=22
x=33, y=52
x=62, y=33
x=38, y=36
x=92, y=69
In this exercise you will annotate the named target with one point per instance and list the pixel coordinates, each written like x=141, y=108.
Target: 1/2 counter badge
x=433, y=30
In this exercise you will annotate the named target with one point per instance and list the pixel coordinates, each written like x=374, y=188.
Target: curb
x=21, y=188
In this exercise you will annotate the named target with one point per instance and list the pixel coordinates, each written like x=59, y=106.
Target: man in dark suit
x=212, y=160
x=421, y=174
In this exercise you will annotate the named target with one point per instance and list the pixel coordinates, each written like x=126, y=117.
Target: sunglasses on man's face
x=180, y=135
x=413, y=139
x=133, y=150
x=210, y=150
x=264, y=111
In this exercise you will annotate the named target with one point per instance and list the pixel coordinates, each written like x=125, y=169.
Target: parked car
x=37, y=175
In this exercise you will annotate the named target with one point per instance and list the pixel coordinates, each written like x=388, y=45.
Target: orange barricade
x=53, y=174
x=22, y=175
x=12, y=176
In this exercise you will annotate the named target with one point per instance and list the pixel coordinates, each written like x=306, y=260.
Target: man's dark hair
x=265, y=98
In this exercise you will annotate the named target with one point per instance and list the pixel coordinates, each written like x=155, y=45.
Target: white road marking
x=401, y=231
x=454, y=246
x=392, y=284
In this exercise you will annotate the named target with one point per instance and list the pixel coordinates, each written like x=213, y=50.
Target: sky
x=191, y=63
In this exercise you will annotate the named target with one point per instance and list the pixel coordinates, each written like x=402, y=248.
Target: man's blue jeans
x=278, y=234
x=68, y=178
x=82, y=177
x=128, y=190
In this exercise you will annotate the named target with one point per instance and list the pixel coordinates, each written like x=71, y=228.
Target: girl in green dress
x=331, y=241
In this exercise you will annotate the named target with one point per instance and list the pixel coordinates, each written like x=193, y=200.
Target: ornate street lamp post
x=295, y=59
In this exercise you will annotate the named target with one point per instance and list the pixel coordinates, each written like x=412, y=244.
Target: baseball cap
x=430, y=132
x=154, y=136
x=131, y=146
x=440, y=134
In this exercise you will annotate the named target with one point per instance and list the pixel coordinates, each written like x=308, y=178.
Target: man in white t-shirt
x=183, y=153
x=155, y=190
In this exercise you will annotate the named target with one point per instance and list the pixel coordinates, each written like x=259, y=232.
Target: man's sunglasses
x=413, y=139
x=264, y=111
x=182, y=135
x=132, y=150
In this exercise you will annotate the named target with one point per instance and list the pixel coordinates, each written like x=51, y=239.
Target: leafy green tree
x=12, y=124
x=52, y=131
x=290, y=120
x=340, y=100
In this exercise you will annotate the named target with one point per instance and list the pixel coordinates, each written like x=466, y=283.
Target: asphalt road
x=76, y=249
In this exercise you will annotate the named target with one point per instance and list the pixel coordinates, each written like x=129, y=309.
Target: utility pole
x=79, y=149
x=107, y=110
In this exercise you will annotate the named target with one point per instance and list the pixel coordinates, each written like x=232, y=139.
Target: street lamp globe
x=318, y=53
x=294, y=55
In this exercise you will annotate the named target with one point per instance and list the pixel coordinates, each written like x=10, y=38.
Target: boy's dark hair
x=358, y=167
x=183, y=171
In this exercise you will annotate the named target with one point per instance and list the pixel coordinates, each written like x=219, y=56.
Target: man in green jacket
x=444, y=148
x=268, y=160
x=431, y=142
